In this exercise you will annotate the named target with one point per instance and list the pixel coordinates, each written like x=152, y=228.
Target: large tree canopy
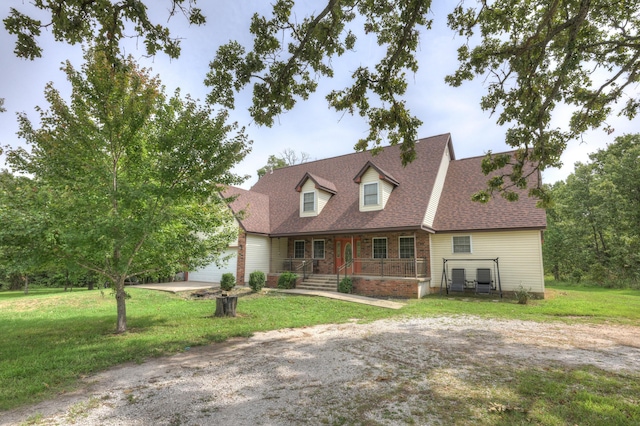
x=132, y=176
x=535, y=56
x=594, y=226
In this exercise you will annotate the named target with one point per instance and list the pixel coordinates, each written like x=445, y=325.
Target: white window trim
x=303, y=250
x=364, y=185
x=315, y=202
x=324, y=251
x=453, y=247
x=414, y=246
x=386, y=244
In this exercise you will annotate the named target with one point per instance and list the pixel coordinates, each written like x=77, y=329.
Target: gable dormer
x=375, y=188
x=315, y=192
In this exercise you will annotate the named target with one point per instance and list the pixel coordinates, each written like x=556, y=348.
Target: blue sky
x=311, y=127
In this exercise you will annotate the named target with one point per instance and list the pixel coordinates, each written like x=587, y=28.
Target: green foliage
x=256, y=280
x=573, y=54
x=534, y=56
x=287, y=158
x=522, y=295
x=593, y=228
x=129, y=178
x=228, y=281
x=345, y=285
x=287, y=280
x=78, y=21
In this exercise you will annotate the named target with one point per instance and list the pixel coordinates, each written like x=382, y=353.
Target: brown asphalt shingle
x=456, y=211
x=405, y=209
x=272, y=205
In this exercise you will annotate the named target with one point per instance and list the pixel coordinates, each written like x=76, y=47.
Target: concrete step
x=321, y=283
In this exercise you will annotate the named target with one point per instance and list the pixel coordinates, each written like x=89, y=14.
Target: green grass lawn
x=51, y=339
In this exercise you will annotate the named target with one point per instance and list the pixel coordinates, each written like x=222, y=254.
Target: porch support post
x=415, y=255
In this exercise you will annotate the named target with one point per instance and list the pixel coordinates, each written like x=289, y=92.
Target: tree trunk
x=226, y=306
x=26, y=284
x=122, y=308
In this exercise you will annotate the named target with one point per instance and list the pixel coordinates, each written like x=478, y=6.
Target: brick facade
x=242, y=248
x=327, y=264
x=386, y=287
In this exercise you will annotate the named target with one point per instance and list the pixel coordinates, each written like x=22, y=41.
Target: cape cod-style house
x=396, y=231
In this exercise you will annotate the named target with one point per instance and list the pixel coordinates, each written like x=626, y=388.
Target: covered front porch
x=389, y=264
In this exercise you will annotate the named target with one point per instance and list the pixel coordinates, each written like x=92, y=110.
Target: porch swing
x=483, y=283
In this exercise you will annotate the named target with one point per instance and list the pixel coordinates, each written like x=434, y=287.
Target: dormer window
x=376, y=186
x=309, y=202
x=315, y=193
x=370, y=194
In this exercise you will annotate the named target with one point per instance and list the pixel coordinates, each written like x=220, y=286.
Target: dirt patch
x=385, y=372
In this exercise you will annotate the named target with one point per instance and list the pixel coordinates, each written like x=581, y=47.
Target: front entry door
x=345, y=253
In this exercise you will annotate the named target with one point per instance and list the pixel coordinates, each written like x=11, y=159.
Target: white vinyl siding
x=519, y=255
x=320, y=199
x=257, y=255
x=279, y=252
x=384, y=190
x=438, y=185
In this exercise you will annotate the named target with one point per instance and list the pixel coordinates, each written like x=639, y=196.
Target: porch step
x=319, y=282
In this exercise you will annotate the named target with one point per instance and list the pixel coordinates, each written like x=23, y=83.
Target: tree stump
x=226, y=306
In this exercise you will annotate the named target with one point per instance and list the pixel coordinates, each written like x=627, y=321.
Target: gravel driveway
x=331, y=374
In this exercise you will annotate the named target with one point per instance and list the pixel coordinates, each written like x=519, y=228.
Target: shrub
x=228, y=281
x=287, y=280
x=256, y=280
x=345, y=285
x=522, y=295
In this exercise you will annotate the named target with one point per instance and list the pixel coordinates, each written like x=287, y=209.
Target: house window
x=379, y=248
x=370, y=194
x=298, y=249
x=318, y=249
x=462, y=244
x=308, y=202
x=407, y=248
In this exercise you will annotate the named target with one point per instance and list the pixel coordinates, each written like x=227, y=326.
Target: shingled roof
x=252, y=208
x=273, y=203
x=456, y=211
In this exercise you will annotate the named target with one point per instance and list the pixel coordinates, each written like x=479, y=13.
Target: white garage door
x=212, y=273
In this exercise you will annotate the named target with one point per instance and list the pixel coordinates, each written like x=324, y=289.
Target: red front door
x=346, y=250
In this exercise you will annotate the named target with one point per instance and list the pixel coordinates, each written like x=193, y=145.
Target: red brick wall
x=327, y=265
x=378, y=287
x=242, y=247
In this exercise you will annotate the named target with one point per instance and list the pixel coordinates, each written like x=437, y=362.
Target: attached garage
x=213, y=273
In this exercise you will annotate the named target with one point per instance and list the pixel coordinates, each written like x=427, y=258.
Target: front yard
x=51, y=342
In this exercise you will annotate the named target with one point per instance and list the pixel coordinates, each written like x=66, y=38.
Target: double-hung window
x=407, y=248
x=309, y=202
x=298, y=249
x=462, y=244
x=318, y=249
x=379, y=248
x=370, y=194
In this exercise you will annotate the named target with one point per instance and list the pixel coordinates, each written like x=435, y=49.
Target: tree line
x=593, y=227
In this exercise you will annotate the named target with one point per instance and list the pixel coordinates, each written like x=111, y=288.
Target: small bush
x=228, y=281
x=345, y=285
x=256, y=280
x=287, y=280
x=522, y=295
